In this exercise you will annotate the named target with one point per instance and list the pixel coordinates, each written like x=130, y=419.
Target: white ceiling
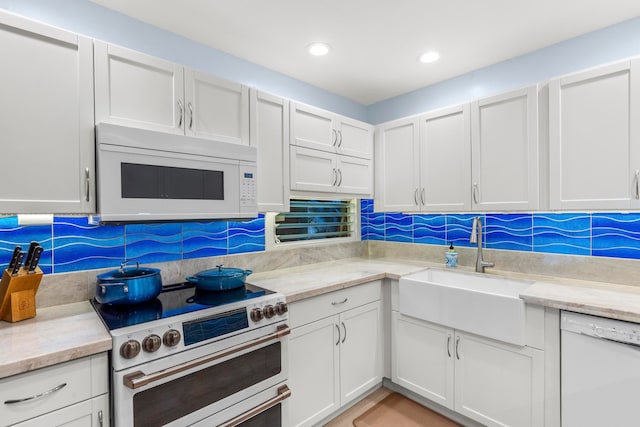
x=376, y=43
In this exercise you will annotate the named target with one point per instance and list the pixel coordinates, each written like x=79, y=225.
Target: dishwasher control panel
x=601, y=327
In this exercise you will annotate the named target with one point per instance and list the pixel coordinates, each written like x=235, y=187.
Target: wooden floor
x=346, y=418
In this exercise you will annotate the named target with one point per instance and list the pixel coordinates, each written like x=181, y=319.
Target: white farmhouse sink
x=481, y=304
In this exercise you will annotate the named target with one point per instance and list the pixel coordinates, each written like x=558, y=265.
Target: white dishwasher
x=600, y=371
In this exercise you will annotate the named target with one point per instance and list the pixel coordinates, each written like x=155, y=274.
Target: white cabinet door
x=498, y=384
x=313, y=128
x=397, y=166
x=138, y=90
x=355, y=138
x=422, y=355
x=355, y=175
x=445, y=166
x=46, y=119
x=270, y=134
x=215, y=108
x=314, y=371
x=313, y=170
x=360, y=350
x=90, y=413
x=594, y=138
x=504, y=140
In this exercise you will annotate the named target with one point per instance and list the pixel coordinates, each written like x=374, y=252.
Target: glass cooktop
x=173, y=300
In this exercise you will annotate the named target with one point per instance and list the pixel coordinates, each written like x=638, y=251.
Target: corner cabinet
x=504, y=141
x=270, y=135
x=73, y=393
x=330, y=153
x=594, y=138
x=46, y=117
x=139, y=90
x=335, y=351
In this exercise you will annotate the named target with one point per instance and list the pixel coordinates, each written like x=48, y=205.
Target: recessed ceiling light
x=429, y=57
x=318, y=49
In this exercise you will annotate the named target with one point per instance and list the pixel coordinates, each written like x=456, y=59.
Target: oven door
x=197, y=383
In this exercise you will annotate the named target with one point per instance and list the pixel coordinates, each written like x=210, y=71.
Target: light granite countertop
x=65, y=332
x=57, y=334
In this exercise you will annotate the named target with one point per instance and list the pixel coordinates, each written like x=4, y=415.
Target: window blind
x=315, y=219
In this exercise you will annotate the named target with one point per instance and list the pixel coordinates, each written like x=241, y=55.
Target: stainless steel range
x=199, y=358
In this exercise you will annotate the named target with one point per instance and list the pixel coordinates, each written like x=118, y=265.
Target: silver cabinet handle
x=334, y=303
x=37, y=396
x=334, y=176
x=334, y=137
x=345, y=332
x=422, y=196
x=100, y=418
x=340, y=182
x=181, y=113
x=415, y=197
x=338, y=328
x=637, y=184
x=190, y=116
x=139, y=379
x=340, y=142
x=449, y=345
x=87, y=184
x=475, y=193
x=457, y=345
x=283, y=394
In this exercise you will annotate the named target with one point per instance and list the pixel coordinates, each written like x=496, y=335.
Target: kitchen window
x=313, y=221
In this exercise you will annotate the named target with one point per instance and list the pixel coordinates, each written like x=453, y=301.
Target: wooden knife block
x=18, y=294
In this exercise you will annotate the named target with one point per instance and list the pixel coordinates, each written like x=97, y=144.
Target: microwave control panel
x=248, y=186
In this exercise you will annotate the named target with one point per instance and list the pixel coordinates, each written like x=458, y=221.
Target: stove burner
x=174, y=300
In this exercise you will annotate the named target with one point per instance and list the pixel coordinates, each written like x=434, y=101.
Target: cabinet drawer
x=311, y=309
x=78, y=376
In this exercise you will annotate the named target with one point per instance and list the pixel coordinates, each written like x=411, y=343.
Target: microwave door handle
x=139, y=379
x=283, y=394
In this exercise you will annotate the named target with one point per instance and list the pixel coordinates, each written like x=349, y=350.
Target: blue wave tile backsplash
x=71, y=244
x=615, y=235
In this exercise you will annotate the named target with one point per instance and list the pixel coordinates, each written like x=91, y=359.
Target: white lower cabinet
x=488, y=381
x=74, y=393
x=334, y=359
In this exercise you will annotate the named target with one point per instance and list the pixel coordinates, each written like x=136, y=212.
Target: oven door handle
x=283, y=394
x=139, y=379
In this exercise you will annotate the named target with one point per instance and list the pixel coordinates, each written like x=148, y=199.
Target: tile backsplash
x=615, y=235
x=72, y=244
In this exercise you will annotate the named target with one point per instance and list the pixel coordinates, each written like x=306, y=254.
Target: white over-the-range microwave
x=145, y=175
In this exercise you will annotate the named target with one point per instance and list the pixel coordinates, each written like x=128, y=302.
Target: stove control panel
x=149, y=341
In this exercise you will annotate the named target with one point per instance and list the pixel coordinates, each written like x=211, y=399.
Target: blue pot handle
x=193, y=279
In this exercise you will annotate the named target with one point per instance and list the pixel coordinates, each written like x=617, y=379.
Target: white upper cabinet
x=270, y=134
x=594, y=138
x=423, y=164
x=46, y=119
x=330, y=153
x=322, y=130
x=216, y=108
x=397, y=157
x=504, y=140
x=138, y=90
x=445, y=165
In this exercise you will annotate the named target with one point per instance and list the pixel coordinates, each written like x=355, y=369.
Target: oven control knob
x=130, y=349
x=151, y=343
x=281, y=308
x=171, y=338
x=268, y=311
x=256, y=315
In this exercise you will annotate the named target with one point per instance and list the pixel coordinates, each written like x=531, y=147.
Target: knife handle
x=34, y=260
x=32, y=248
x=18, y=264
x=14, y=257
